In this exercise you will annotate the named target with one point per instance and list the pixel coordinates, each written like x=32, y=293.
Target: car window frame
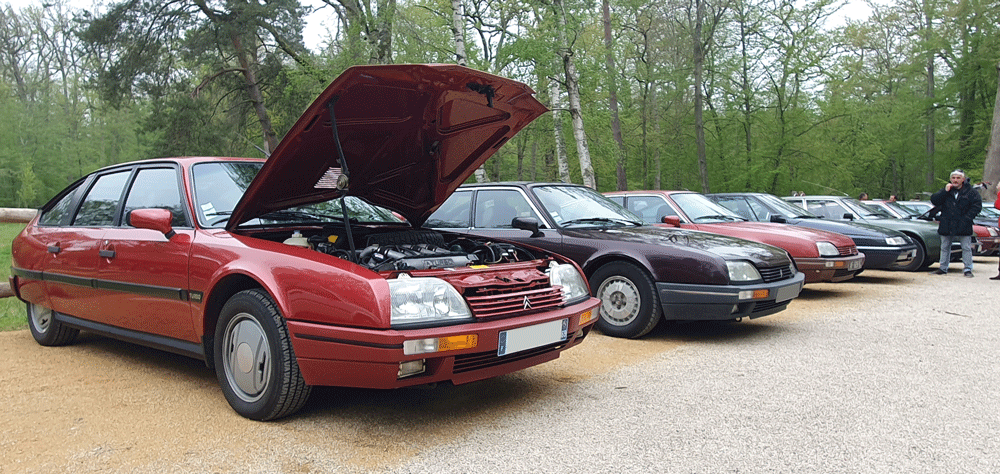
x=542, y=221
x=182, y=193
x=96, y=176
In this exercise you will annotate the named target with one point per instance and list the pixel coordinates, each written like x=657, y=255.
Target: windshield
x=862, y=210
x=218, y=186
x=901, y=209
x=702, y=210
x=784, y=208
x=581, y=206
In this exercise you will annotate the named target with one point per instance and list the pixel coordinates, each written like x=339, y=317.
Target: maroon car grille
x=848, y=250
x=499, y=301
x=770, y=274
x=483, y=360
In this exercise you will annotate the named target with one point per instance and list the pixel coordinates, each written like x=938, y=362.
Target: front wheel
x=629, y=304
x=46, y=330
x=920, y=261
x=254, y=360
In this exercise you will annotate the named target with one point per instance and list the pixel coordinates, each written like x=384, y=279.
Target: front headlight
x=571, y=281
x=895, y=240
x=426, y=300
x=993, y=231
x=742, y=271
x=826, y=249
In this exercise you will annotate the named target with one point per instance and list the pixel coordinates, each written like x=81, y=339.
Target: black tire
x=920, y=261
x=254, y=360
x=630, y=306
x=46, y=329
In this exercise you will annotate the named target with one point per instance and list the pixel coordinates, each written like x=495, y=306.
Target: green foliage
x=12, y=312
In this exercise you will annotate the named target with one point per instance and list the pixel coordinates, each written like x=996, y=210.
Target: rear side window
x=498, y=208
x=57, y=214
x=101, y=203
x=157, y=188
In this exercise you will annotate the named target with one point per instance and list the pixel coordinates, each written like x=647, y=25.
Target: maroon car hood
x=410, y=134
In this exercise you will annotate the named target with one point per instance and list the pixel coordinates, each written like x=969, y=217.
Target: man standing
x=959, y=205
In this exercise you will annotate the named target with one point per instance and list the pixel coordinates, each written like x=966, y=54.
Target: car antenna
x=343, y=181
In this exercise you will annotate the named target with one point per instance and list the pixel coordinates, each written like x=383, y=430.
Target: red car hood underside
x=411, y=134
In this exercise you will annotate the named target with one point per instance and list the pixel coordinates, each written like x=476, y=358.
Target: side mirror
x=527, y=223
x=849, y=216
x=673, y=221
x=778, y=219
x=152, y=219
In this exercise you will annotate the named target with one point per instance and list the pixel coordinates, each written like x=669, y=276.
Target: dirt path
x=103, y=405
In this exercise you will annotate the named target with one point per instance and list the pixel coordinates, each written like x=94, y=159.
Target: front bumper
x=370, y=358
x=688, y=302
x=888, y=257
x=830, y=269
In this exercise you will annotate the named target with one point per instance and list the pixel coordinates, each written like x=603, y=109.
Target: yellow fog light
x=586, y=317
x=440, y=344
x=411, y=367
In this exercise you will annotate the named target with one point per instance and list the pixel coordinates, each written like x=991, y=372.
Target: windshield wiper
x=719, y=217
x=291, y=215
x=604, y=220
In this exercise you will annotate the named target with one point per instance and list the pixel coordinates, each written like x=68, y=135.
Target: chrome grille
x=770, y=274
x=848, y=250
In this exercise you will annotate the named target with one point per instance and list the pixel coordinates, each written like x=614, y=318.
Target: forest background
x=707, y=95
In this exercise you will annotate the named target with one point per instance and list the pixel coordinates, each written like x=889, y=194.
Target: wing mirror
x=778, y=219
x=849, y=216
x=527, y=223
x=152, y=219
x=673, y=221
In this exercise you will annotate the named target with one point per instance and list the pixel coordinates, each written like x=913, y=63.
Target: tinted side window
x=497, y=208
x=828, y=209
x=157, y=188
x=650, y=208
x=56, y=214
x=98, y=208
x=454, y=213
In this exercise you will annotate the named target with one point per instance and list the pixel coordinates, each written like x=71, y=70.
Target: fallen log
x=8, y=214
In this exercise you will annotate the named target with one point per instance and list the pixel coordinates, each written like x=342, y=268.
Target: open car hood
x=410, y=135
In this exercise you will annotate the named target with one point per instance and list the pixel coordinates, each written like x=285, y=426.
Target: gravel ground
x=890, y=372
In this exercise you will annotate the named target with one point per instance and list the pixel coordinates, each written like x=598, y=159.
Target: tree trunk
x=253, y=90
x=573, y=92
x=616, y=126
x=561, y=163
x=929, y=128
x=699, y=120
x=991, y=169
x=458, y=35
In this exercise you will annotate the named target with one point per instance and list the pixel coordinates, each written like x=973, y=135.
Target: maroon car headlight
x=425, y=301
x=574, y=287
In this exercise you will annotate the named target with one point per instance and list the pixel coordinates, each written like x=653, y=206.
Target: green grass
x=12, y=315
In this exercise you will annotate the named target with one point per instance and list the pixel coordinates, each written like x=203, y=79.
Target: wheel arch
x=223, y=290
x=591, y=266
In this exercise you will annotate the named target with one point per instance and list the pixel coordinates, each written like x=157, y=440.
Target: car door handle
x=54, y=249
x=106, y=253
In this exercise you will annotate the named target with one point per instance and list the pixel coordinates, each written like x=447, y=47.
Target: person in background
x=892, y=198
x=863, y=197
x=959, y=205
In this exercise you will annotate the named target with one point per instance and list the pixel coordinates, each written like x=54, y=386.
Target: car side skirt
x=176, y=346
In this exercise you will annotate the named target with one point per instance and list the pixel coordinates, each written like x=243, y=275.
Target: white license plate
x=530, y=337
x=787, y=293
x=856, y=265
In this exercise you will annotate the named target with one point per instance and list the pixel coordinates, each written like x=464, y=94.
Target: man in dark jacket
x=959, y=205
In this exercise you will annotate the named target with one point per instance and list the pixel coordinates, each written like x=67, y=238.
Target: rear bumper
x=370, y=358
x=721, y=303
x=830, y=269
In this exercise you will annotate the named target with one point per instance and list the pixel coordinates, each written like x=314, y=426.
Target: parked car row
x=354, y=256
